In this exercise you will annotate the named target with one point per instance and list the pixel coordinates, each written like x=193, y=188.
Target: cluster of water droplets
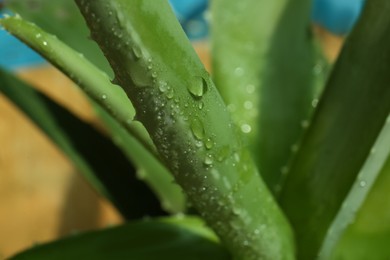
x=245, y=110
x=169, y=109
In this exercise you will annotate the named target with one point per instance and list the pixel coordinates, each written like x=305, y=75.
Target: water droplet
x=38, y=35
x=170, y=93
x=237, y=211
x=104, y=96
x=198, y=144
x=200, y=105
x=162, y=86
x=223, y=153
x=137, y=52
x=209, y=143
x=318, y=68
x=141, y=174
x=197, y=87
x=245, y=128
x=314, y=102
x=239, y=71
x=154, y=74
x=236, y=157
x=250, y=89
x=295, y=148
x=226, y=183
x=305, y=123
x=208, y=160
x=284, y=170
x=248, y=105
x=197, y=129
x=231, y=108
x=215, y=174
x=44, y=43
x=362, y=184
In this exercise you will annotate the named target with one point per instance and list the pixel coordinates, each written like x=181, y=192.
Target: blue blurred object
x=13, y=53
x=187, y=9
x=191, y=14
x=337, y=16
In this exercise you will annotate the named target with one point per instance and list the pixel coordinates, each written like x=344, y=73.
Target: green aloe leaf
x=98, y=159
x=368, y=235
x=263, y=64
x=63, y=19
x=149, y=169
x=373, y=217
x=347, y=121
x=185, y=116
x=109, y=97
x=170, y=239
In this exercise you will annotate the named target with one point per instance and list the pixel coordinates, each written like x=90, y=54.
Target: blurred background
x=42, y=196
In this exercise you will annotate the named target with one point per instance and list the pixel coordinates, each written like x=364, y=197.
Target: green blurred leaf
x=347, y=121
x=98, y=159
x=263, y=64
x=149, y=169
x=369, y=235
x=170, y=239
x=63, y=19
x=358, y=245
x=377, y=164
x=136, y=142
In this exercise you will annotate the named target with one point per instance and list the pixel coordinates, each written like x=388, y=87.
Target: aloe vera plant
x=321, y=143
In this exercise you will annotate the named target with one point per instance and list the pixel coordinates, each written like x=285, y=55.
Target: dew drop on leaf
x=239, y=71
x=209, y=143
x=223, y=153
x=197, y=128
x=162, y=86
x=208, y=160
x=248, y=105
x=250, y=89
x=314, y=103
x=227, y=184
x=137, y=52
x=295, y=148
x=169, y=93
x=197, y=87
x=245, y=128
x=215, y=174
x=305, y=124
